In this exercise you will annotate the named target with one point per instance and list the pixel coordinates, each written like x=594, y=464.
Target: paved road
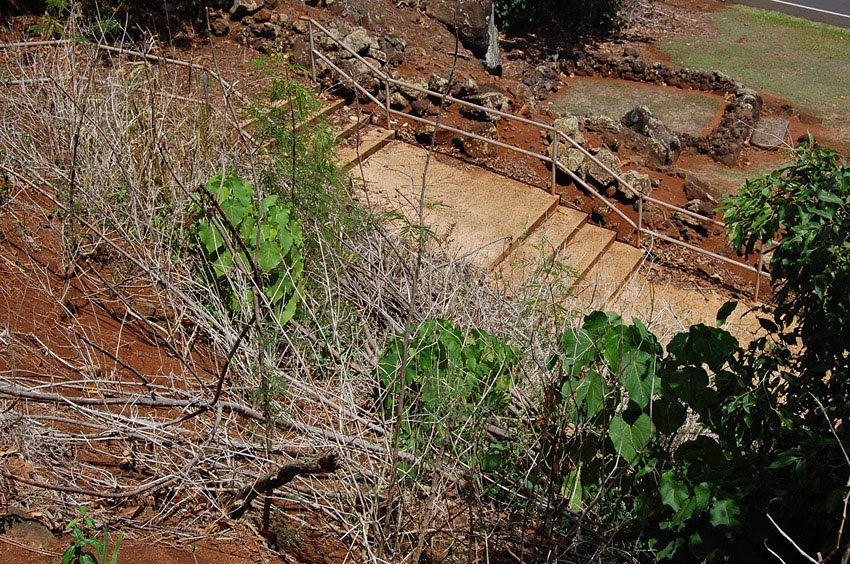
x=834, y=12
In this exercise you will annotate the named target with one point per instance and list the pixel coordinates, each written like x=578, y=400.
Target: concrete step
x=346, y=127
x=586, y=246
x=607, y=277
x=474, y=214
x=328, y=108
x=540, y=246
x=371, y=140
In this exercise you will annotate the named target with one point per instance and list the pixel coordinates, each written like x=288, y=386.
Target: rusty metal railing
x=558, y=138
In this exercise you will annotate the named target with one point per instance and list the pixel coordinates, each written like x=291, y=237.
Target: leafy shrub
x=451, y=377
x=578, y=16
x=235, y=230
x=86, y=548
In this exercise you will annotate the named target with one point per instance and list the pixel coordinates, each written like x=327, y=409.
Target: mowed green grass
x=804, y=62
x=681, y=110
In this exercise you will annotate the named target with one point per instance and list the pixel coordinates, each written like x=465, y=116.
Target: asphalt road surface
x=834, y=12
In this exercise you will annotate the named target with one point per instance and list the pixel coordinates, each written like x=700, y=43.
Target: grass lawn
x=681, y=110
x=804, y=62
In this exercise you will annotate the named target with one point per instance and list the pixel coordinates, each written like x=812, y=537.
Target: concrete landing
x=667, y=309
x=480, y=215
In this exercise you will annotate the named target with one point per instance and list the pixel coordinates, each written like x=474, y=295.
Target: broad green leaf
x=637, y=372
x=287, y=312
x=725, y=311
x=268, y=256
x=830, y=198
x=702, y=496
x=668, y=415
x=578, y=350
x=673, y=492
x=704, y=452
x=630, y=440
x=670, y=549
x=725, y=512
x=235, y=211
x=222, y=264
x=572, y=490
x=210, y=237
x=714, y=346
x=590, y=393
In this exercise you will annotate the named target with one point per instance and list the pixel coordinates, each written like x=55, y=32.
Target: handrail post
x=640, y=219
x=759, y=269
x=387, y=100
x=554, y=160
x=312, y=50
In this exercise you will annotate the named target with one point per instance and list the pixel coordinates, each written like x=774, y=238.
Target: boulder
x=358, y=41
x=572, y=159
x=474, y=23
x=465, y=88
x=602, y=124
x=220, y=27
x=599, y=174
x=669, y=146
x=411, y=93
x=241, y=8
x=492, y=99
x=438, y=83
x=569, y=126
x=398, y=101
x=770, y=133
x=639, y=181
x=476, y=148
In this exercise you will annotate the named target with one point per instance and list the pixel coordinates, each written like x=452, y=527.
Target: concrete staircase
x=517, y=232
x=511, y=229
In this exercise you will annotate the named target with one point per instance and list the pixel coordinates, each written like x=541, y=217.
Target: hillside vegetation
x=205, y=333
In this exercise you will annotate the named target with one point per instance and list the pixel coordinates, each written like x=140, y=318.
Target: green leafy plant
x=52, y=22
x=806, y=208
x=581, y=15
x=86, y=548
x=451, y=376
x=263, y=239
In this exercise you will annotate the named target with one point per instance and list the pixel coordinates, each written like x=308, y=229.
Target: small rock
x=770, y=134
x=220, y=27
x=300, y=26
x=600, y=212
x=640, y=119
x=263, y=15
x=398, y=101
x=465, y=88
x=701, y=207
x=420, y=107
x=572, y=159
x=652, y=215
x=603, y=124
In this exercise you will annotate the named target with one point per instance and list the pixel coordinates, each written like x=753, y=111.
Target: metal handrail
x=552, y=160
